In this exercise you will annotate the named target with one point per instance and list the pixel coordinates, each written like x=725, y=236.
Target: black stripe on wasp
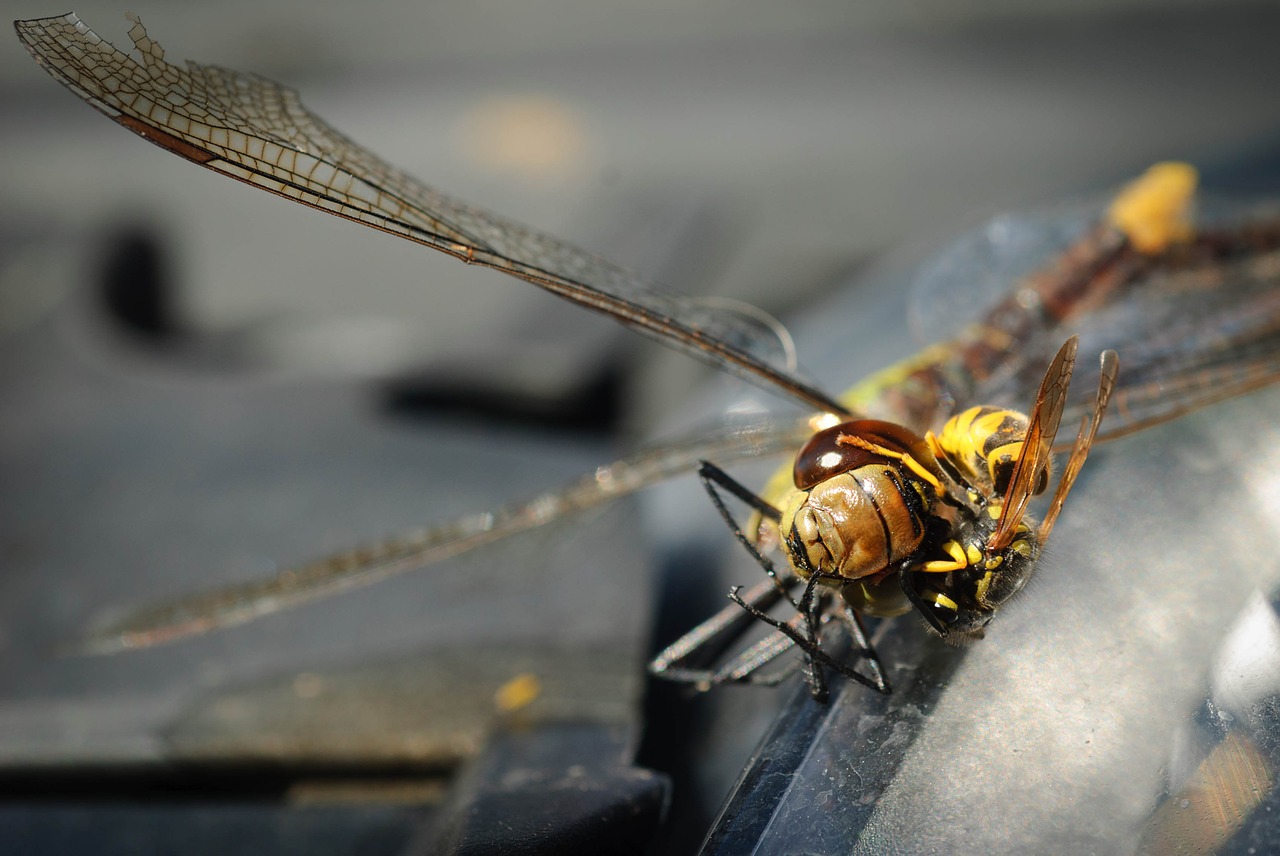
x=955, y=516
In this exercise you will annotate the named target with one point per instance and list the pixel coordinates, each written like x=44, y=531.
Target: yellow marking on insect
x=994, y=511
x=941, y=566
x=1009, y=451
x=876, y=449
x=973, y=554
x=983, y=585
x=991, y=422
x=1155, y=210
x=862, y=397
x=517, y=693
x=993, y=562
x=1021, y=547
x=946, y=602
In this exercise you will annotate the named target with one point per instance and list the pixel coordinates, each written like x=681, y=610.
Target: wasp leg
x=921, y=605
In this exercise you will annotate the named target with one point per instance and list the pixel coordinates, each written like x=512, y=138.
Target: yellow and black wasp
x=893, y=521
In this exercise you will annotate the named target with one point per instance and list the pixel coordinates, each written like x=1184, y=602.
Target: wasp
x=891, y=521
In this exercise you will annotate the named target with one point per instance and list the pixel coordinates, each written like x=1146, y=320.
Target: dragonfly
x=1193, y=309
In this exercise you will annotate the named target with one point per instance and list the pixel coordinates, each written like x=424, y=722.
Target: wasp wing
x=254, y=130
x=1085, y=438
x=1037, y=448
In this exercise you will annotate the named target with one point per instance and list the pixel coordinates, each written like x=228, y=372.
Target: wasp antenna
x=1110, y=362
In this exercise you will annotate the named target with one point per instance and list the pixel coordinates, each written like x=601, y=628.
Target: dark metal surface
x=206, y=830
x=559, y=789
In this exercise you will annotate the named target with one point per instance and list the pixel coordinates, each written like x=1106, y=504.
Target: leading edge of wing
x=239, y=603
x=254, y=130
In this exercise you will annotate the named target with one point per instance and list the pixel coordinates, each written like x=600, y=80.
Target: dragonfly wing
x=254, y=130
x=240, y=603
x=1194, y=325
x=1189, y=335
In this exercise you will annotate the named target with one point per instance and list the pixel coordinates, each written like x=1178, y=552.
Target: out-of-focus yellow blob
x=1155, y=210
x=517, y=693
x=536, y=137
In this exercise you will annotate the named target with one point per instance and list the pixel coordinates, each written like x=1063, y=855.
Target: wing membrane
x=240, y=603
x=254, y=130
x=1194, y=326
x=1211, y=355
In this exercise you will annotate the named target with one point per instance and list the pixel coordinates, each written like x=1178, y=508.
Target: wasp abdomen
x=986, y=443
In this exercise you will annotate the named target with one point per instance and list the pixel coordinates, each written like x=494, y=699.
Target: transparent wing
x=237, y=604
x=1194, y=325
x=257, y=131
x=958, y=284
x=1192, y=335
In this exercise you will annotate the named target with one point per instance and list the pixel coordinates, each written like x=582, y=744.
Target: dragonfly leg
x=864, y=648
x=746, y=666
x=804, y=631
x=714, y=480
x=813, y=649
x=809, y=606
x=687, y=659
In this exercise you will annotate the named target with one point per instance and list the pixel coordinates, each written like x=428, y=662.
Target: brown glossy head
x=833, y=451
